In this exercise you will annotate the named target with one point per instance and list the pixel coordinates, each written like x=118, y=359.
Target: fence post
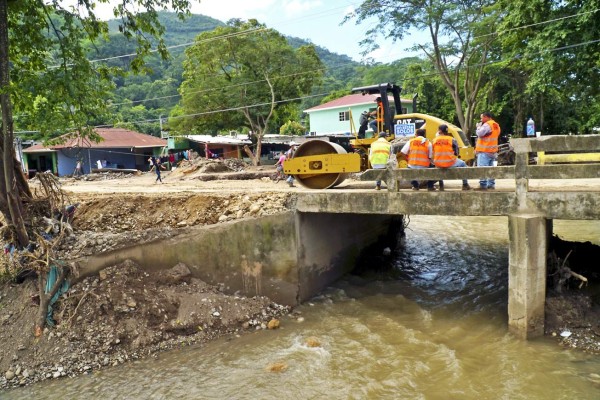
x=521, y=178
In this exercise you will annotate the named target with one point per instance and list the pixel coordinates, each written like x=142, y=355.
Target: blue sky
x=315, y=20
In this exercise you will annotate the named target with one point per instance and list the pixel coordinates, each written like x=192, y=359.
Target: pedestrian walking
x=279, y=167
x=156, y=165
x=288, y=155
x=78, y=169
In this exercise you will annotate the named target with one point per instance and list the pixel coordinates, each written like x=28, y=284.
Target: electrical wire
x=308, y=17
x=325, y=94
x=536, y=24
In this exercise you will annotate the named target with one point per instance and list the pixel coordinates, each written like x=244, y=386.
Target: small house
x=334, y=117
x=118, y=149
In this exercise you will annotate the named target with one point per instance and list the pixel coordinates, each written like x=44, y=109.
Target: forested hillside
x=140, y=100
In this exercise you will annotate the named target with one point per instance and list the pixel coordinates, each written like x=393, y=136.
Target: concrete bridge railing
x=521, y=172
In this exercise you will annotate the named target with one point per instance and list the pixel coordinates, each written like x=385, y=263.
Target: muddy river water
x=432, y=327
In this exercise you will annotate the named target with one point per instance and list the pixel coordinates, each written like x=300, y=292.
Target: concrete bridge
x=530, y=212
x=293, y=256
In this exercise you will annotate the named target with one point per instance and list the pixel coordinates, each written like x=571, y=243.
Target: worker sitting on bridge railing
x=445, y=154
x=418, y=154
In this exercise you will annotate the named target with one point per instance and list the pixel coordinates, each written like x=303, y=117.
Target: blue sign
x=404, y=129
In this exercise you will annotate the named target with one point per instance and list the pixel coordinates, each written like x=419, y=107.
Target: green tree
x=553, y=51
x=458, y=50
x=243, y=74
x=433, y=98
x=292, y=128
x=46, y=76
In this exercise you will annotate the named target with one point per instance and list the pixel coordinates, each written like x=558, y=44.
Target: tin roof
x=218, y=139
x=352, y=100
x=112, y=137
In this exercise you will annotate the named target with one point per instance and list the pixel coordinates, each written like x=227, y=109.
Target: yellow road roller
x=319, y=164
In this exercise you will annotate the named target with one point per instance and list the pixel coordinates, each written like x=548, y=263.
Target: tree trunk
x=46, y=297
x=258, y=148
x=250, y=154
x=11, y=192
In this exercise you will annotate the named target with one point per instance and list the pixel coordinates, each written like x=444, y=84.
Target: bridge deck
x=566, y=191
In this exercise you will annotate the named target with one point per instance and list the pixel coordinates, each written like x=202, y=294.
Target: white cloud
x=243, y=9
x=295, y=7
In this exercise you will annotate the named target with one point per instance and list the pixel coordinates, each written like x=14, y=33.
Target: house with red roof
x=119, y=149
x=333, y=117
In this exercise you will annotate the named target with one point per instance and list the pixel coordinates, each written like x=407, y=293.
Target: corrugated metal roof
x=218, y=139
x=352, y=100
x=113, y=137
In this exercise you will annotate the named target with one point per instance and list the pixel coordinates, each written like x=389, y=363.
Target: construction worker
x=486, y=149
x=379, y=153
x=363, y=122
x=377, y=123
x=445, y=153
x=418, y=154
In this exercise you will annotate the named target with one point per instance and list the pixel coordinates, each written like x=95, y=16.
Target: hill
x=141, y=99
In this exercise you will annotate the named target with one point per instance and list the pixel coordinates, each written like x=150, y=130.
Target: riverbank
x=125, y=313
x=121, y=315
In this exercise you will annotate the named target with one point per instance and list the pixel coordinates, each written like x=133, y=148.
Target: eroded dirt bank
x=121, y=315
x=125, y=313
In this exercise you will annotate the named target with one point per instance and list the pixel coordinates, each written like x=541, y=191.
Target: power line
x=416, y=77
x=225, y=36
x=224, y=110
x=324, y=94
x=308, y=17
x=536, y=24
x=221, y=87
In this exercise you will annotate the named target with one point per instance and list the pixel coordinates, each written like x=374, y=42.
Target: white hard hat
x=292, y=143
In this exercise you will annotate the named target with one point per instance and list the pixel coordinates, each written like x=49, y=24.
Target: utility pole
x=160, y=120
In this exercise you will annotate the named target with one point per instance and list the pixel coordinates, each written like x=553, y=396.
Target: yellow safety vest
x=380, y=151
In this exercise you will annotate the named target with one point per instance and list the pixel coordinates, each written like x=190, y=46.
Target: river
x=434, y=326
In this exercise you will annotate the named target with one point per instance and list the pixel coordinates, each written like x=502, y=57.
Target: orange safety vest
x=379, y=111
x=379, y=116
x=380, y=151
x=443, y=154
x=418, y=153
x=489, y=143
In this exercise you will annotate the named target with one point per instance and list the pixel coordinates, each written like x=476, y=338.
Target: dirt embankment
x=108, y=221
x=126, y=313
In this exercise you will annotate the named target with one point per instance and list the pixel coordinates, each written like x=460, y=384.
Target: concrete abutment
x=288, y=257
x=293, y=256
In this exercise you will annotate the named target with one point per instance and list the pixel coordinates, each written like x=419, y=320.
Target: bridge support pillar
x=527, y=274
